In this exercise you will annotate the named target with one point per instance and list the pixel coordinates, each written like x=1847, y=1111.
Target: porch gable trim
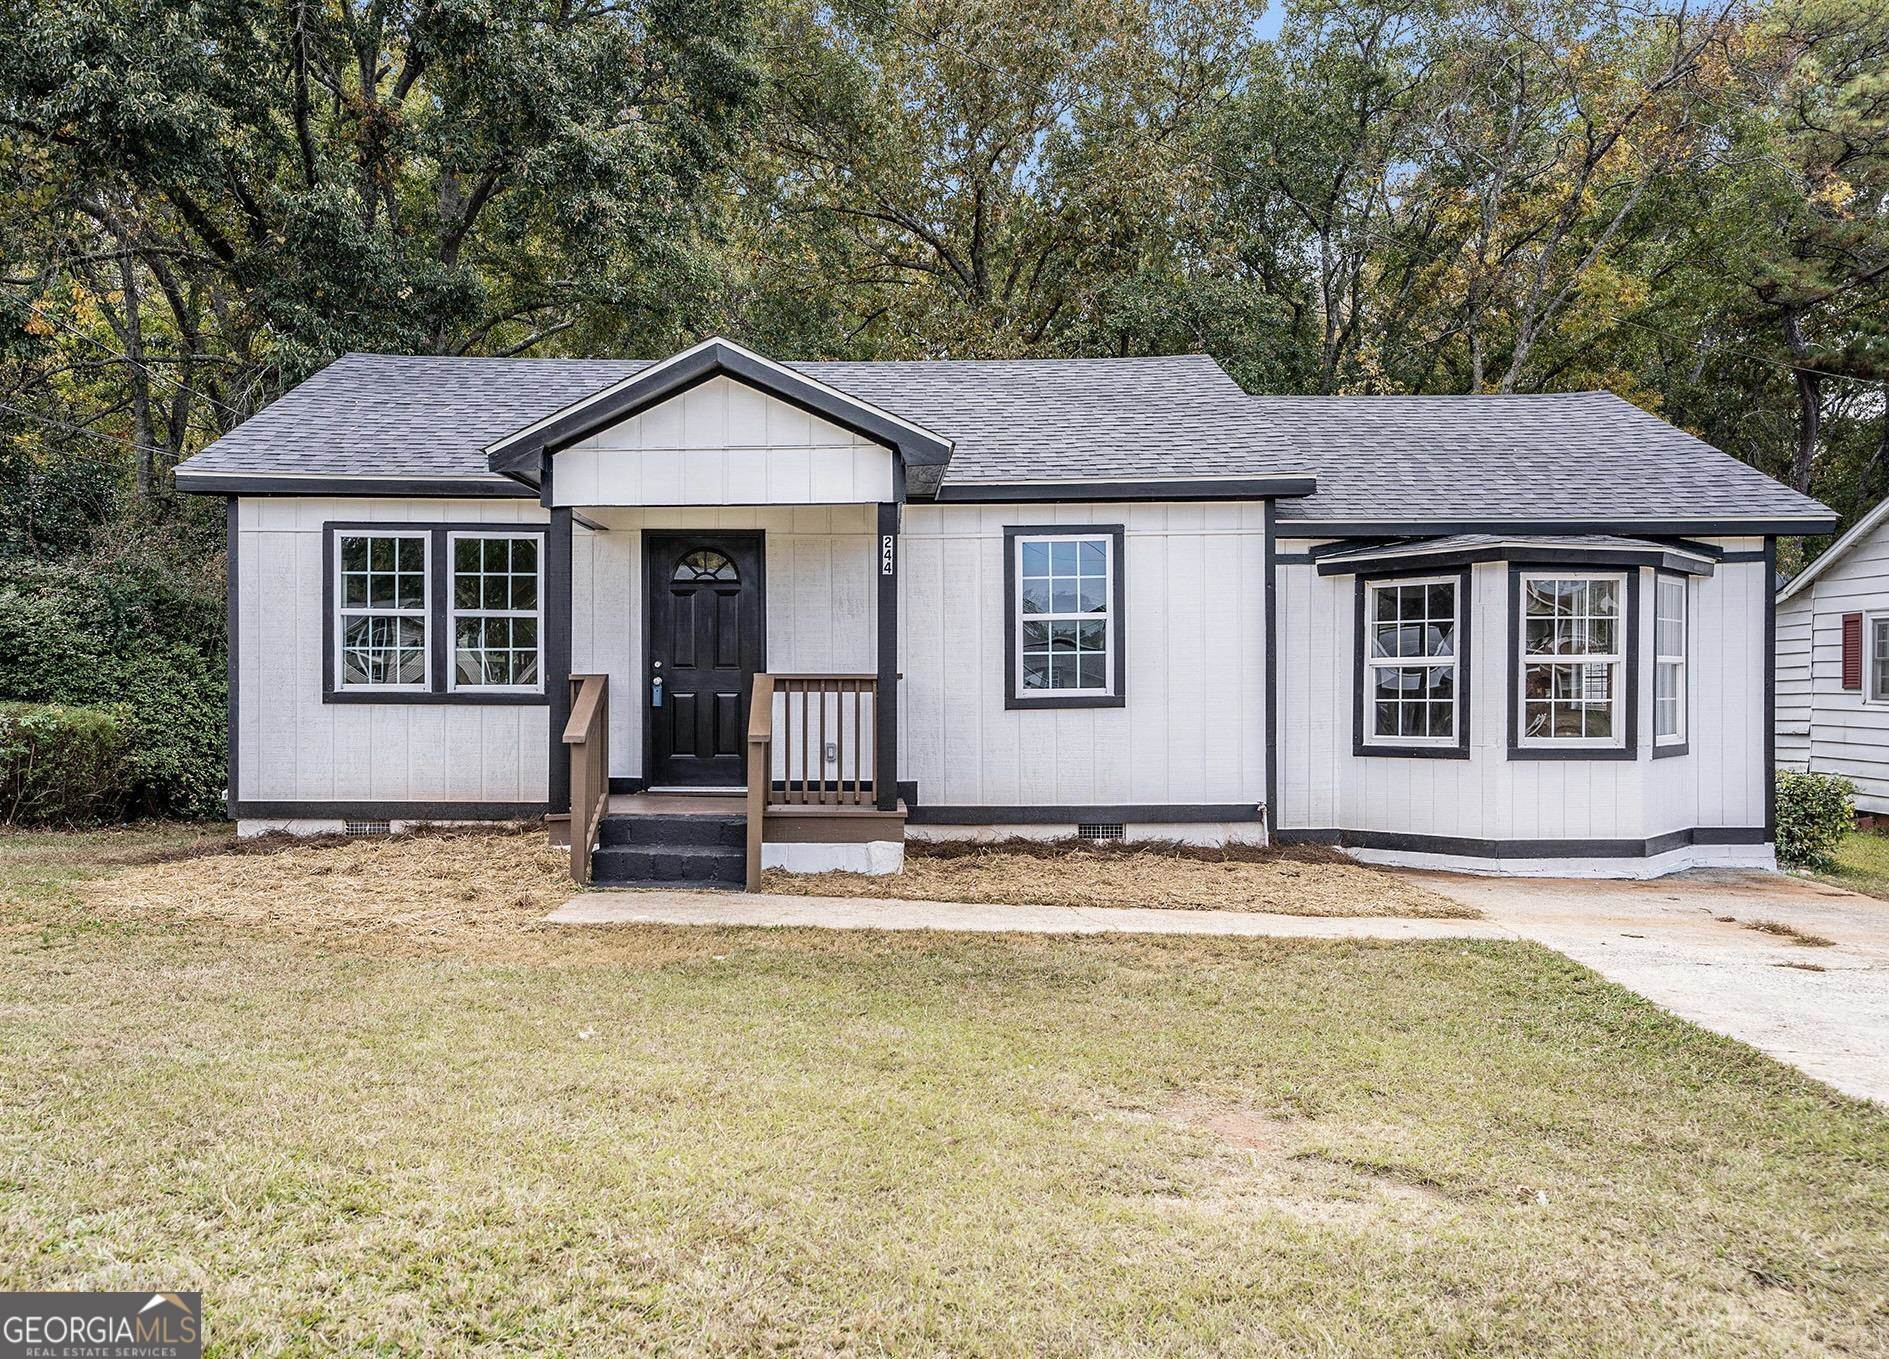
x=517, y=454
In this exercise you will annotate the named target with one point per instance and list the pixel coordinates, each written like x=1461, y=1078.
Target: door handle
x=655, y=692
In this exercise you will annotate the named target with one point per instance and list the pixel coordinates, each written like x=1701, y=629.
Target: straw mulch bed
x=1297, y=880
x=446, y=887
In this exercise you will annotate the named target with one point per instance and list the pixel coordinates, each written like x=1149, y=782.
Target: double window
x=435, y=612
x=1413, y=678
x=1064, y=644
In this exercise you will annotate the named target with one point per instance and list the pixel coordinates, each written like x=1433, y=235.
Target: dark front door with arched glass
x=705, y=641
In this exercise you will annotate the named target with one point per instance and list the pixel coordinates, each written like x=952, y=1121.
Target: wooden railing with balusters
x=816, y=711
x=588, y=735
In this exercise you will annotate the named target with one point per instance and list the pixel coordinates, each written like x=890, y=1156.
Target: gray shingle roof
x=1580, y=456
x=1576, y=455
x=1011, y=420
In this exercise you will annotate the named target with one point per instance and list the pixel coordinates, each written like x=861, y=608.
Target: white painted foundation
x=1654, y=866
x=873, y=856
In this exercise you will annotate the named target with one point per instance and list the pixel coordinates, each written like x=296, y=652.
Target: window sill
x=1456, y=752
x=1671, y=749
x=1573, y=753
x=469, y=699
x=1013, y=702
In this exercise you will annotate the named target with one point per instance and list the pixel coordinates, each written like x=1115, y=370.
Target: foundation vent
x=1100, y=830
x=368, y=828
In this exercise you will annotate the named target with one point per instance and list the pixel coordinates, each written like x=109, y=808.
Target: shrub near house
x=144, y=646
x=1814, y=813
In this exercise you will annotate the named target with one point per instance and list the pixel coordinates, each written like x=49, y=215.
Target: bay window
x=1669, y=661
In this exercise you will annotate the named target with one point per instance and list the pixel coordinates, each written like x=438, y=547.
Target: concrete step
x=668, y=866
x=657, y=831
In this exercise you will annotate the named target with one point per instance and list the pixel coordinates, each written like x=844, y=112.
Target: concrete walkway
x=1683, y=942
x=663, y=907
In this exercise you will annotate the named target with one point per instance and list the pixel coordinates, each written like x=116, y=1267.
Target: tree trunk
x=1809, y=401
x=143, y=436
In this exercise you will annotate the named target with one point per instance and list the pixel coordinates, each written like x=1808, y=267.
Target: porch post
x=557, y=654
x=885, y=758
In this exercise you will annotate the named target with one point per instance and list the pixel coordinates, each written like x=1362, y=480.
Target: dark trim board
x=439, y=584
x=232, y=658
x=1630, y=645
x=1397, y=841
x=1658, y=528
x=1465, y=599
x=1118, y=661
x=1041, y=815
x=1269, y=597
x=556, y=663
x=1203, y=488
x=387, y=811
x=393, y=488
x=1408, y=562
x=885, y=699
x=1768, y=717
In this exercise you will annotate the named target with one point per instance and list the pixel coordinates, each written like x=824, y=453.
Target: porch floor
x=731, y=803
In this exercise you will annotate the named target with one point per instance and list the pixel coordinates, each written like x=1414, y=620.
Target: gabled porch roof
x=922, y=452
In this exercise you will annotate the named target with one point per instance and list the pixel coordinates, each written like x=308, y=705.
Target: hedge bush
x=1814, y=813
x=61, y=766
x=143, y=639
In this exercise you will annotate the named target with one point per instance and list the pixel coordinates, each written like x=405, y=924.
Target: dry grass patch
x=1784, y=930
x=1293, y=880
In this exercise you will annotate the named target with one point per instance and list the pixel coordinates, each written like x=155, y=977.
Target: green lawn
x=778, y=1142
x=1862, y=864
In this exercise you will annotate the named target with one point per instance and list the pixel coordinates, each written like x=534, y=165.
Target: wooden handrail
x=760, y=771
x=588, y=735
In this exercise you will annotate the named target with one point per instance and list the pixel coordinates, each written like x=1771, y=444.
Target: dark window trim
x=1630, y=670
x=1682, y=747
x=437, y=690
x=1117, y=624
x=1464, y=627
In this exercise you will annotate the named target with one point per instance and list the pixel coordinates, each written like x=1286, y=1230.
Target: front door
x=706, y=618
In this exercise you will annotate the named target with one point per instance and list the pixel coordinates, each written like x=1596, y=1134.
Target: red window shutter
x=1852, y=651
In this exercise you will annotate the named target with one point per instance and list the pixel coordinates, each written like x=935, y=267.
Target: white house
x=1114, y=597
x=1833, y=663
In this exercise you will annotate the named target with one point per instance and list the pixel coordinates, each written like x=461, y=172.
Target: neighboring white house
x=1115, y=597
x=1833, y=663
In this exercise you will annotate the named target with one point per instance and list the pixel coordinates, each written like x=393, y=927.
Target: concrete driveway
x=1686, y=942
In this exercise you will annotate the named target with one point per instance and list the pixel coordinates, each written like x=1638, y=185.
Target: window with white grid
x=1410, y=647
x=1669, y=660
x=380, y=611
x=1065, y=615
x=495, y=612
x=1572, y=635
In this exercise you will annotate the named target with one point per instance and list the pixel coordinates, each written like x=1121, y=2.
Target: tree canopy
x=202, y=201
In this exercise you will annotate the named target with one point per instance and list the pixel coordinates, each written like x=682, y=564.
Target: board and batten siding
x=1821, y=726
x=291, y=746
x=1192, y=730
x=1323, y=785
x=723, y=443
